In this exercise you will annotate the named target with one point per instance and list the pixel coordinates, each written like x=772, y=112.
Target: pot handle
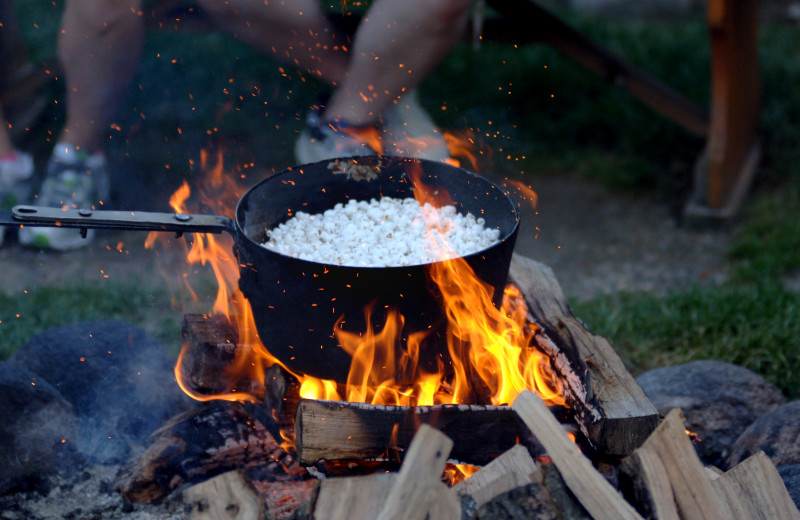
x=122, y=220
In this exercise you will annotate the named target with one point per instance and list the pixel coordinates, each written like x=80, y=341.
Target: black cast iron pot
x=296, y=303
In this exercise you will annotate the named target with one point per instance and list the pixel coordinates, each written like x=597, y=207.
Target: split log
x=355, y=498
x=226, y=496
x=599, y=498
x=691, y=487
x=410, y=497
x=548, y=498
x=203, y=443
x=512, y=469
x=415, y=492
x=644, y=482
x=341, y=430
x=627, y=416
x=210, y=352
x=753, y=489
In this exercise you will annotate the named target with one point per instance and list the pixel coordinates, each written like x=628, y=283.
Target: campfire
x=525, y=408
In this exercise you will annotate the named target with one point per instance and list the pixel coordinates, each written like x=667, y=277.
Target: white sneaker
x=15, y=183
x=75, y=180
x=410, y=132
x=320, y=140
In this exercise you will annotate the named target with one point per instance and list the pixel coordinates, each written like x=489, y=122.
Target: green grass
x=754, y=327
x=22, y=316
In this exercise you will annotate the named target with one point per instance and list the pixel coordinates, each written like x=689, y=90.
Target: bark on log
x=205, y=442
x=548, y=498
x=340, y=430
x=626, y=416
x=599, y=498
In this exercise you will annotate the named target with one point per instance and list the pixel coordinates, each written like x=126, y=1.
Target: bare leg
x=99, y=45
x=293, y=31
x=397, y=45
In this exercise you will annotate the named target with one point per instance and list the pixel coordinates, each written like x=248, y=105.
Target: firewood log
x=228, y=496
x=205, y=442
x=620, y=416
x=512, y=469
x=599, y=498
x=342, y=430
x=753, y=489
x=694, y=496
x=418, y=490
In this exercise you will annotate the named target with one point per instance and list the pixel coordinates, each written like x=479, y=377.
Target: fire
x=492, y=359
x=220, y=192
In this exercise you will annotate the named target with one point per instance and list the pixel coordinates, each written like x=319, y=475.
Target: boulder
x=791, y=478
x=719, y=400
x=776, y=433
x=119, y=380
x=38, y=430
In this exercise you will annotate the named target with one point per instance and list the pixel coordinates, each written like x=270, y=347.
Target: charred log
x=203, y=443
x=341, y=430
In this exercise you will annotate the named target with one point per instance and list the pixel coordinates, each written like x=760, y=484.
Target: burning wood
x=618, y=417
x=205, y=442
x=341, y=430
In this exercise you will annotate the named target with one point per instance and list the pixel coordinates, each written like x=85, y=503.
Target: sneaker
x=16, y=172
x=73, y=180
x=409, y=131
x=328, y=140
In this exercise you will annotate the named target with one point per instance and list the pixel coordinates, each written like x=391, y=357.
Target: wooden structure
x=723, y=172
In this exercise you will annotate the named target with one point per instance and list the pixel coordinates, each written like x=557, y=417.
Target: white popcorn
x=384, y=232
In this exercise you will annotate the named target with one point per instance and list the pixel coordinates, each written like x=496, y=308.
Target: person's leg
x=99, y=46
x=295, y=32
x=397, y=45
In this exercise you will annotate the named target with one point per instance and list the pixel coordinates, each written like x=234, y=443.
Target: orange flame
x=221, y=192
x=490, y=348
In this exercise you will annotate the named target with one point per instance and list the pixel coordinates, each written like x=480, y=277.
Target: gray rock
x=38, y=429
x=719, y=400
x=777, y=433
x=791, y=478
x=119, y=380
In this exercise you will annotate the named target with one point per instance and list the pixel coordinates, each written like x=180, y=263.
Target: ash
x=88, y=495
